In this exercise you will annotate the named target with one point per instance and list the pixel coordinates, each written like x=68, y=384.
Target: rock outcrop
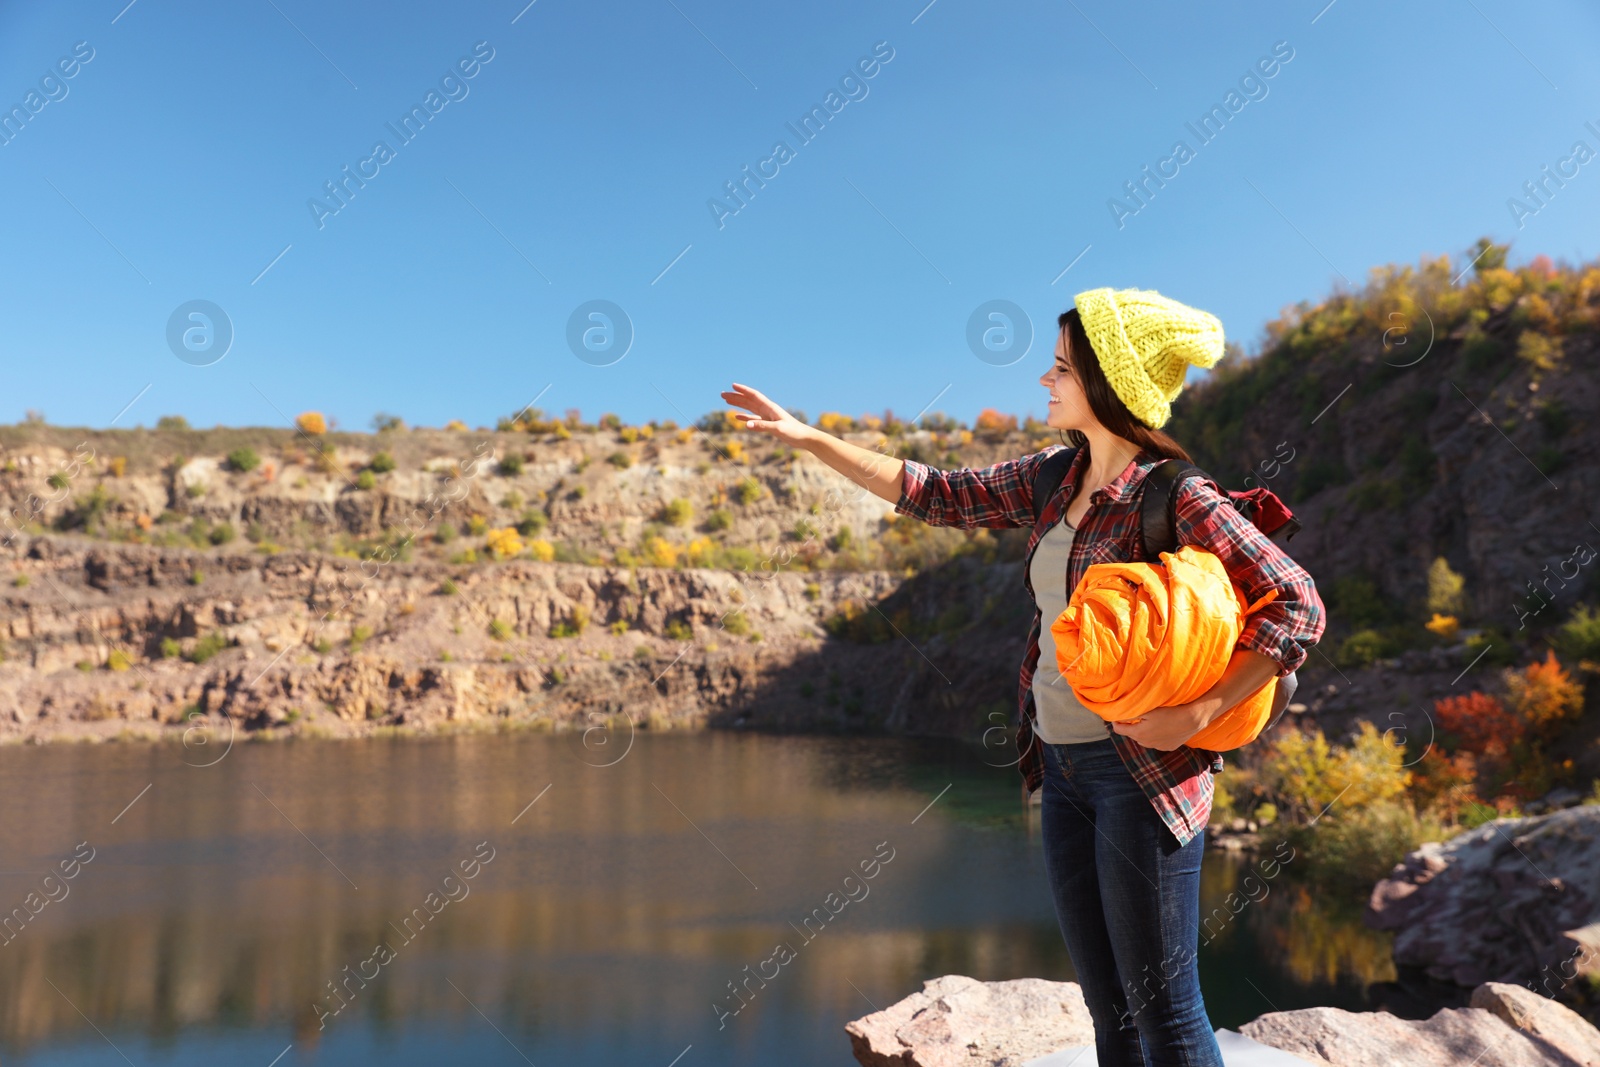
x=99, y=638
x=960, y=1022
x=1514, y=900
x=1505, y=1026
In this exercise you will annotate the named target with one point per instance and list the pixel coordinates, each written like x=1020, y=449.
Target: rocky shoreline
x=956, y=1021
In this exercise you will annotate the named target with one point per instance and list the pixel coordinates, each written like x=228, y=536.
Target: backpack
x=1158, y=527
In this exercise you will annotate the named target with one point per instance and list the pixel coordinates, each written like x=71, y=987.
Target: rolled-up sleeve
x=995, y=497
x=1287, y=627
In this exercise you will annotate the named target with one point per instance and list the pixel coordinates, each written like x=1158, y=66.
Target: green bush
x=620, y=460
x=573, y=625
x=748, y=491
x=679, y=630
x=511, y=464
x=207, y=646
x=1579, y=637
x=382, y=463
x=533, y=523
x=366, y=480
x=1353, y=847
x=221, y=533
x=719, y=519
x=170, y=648
x=1357, y=602
x=359, y=636
x=244, y=460
x=500, y=630
x=678, y=512
x=1502, y=652
x=445, y=533
x=1362, y=647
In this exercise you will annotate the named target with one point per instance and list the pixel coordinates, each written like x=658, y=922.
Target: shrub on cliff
x=206, y=647
x=573, y=625
x=748, y=491
x=244, y=460
x=677, y=512
x=1306, y=777
x=1578, y=638
x=504, y=543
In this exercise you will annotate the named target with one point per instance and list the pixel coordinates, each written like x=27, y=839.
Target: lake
x=552, y=898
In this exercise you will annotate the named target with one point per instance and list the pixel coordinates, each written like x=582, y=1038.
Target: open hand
x=765, y=415
x=1163, y=728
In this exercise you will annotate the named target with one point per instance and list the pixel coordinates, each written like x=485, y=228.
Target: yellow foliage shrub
x=505, y=542
x=1443, y=625
x=542, y=550
x=311, y=422
x=1308, y=776
x=659, y=552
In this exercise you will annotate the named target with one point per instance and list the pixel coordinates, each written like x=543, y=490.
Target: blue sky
x=974, y=164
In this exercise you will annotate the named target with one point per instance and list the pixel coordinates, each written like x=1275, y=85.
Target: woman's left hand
x=1164, y=728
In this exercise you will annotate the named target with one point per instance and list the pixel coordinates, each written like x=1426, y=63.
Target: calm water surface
x=233, y=913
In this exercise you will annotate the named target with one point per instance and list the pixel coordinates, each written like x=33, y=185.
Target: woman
x=1125, y=806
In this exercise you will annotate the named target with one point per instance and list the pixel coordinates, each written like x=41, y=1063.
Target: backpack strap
x=1047, y=479
x=1160, y=535
x=1156, y=506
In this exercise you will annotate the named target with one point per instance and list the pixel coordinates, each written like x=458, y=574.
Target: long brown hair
x=1107, y=406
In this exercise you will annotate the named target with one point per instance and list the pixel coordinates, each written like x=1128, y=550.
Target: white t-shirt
x=1060, y=716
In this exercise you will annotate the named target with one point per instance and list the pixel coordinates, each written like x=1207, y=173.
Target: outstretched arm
x=873, y=470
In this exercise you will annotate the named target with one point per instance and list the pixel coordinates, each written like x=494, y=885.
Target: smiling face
x=1068, y=407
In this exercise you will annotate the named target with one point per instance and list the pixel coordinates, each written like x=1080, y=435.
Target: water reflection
x=230, y=910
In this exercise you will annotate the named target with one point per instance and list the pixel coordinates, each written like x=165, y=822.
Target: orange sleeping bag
x=1139, y=636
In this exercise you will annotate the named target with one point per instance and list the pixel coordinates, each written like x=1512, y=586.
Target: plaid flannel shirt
x=1179, y=783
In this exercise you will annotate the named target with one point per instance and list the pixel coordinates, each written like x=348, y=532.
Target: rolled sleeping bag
x=1140, y=636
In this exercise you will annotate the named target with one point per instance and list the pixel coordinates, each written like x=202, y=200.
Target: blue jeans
x=1128, y=901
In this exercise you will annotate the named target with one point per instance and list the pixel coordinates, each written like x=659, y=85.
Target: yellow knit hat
x=1146, y=343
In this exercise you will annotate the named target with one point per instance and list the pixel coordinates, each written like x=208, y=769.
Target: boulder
x=1506, y=902
x=957, y=1020
x=1505, y=1026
